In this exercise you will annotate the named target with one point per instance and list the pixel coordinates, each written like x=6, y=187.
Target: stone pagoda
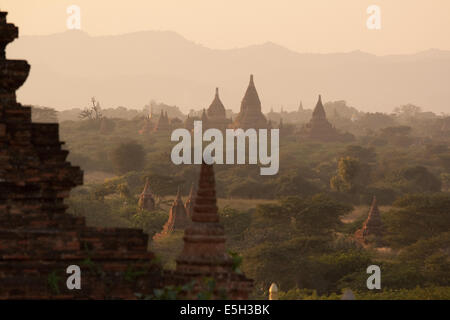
x=204, y=253
x=178, y=218
x=372, y=229
x=250, y=115
x=146, y=199
x=320, y=129
x=38, y=239
x=216, y=114
x=163, y=124
x=147, y=128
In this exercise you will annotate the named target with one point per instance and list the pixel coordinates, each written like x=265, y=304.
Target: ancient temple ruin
x=39, y=240
x=146, y=199
x=178, y=218
x=250, y=115
x=320, y=129
x=372, y=229
x=204, y=253
x=147, y=127
x=215, y=115
x=163, y=124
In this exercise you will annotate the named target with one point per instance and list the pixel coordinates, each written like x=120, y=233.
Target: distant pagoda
x=163, y=124
x=216, y=114
x=250, y=115
x=178, y=218
x=372, y=229
x=320, y=129
x=146, y=199
x=147, y=128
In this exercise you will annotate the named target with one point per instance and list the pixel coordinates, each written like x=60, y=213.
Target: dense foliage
x=295, y=228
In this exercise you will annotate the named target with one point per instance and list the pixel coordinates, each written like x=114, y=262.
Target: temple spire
x=216, y=111
x=250, y=115
x=374, y=213
x=372, y=229
x=204, y=116
x=204, y=250
x=146, y=199
x=319, y=111
x=178, y=218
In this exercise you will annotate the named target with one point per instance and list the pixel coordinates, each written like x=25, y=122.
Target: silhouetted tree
x=93, y=113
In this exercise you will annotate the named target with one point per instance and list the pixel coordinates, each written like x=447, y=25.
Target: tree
x=316, y=215
x=415, y=179
x=351, y=175
x=128, y=156
x=92, y=113
x=376, y=121
x=366, y=155
x=416, y=217
x=408, y=110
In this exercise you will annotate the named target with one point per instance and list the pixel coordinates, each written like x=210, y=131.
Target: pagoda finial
x=251, y=79
x=319, y=111
x=217, y=92
x=204, y=116
x=204, y=249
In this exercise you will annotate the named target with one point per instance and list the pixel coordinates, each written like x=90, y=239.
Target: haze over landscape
x=124, y=171
x=129, y=70
x=290, y=47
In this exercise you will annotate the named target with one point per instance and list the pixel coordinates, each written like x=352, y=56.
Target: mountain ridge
x=165, y=66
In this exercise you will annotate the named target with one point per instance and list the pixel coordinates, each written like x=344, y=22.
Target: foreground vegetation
x=295, y=228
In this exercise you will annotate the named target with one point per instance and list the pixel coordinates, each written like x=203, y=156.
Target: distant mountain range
x=129, y=70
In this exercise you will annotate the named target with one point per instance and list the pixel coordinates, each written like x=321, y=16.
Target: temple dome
x=216, y=109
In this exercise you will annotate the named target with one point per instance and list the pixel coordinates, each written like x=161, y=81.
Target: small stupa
x=372, y=229
x=146, y=199
x=178, y=218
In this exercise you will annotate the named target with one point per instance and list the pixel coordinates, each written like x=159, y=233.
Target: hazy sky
x=302, y=25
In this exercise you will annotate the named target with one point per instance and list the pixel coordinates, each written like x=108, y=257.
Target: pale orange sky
x=324, y=26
